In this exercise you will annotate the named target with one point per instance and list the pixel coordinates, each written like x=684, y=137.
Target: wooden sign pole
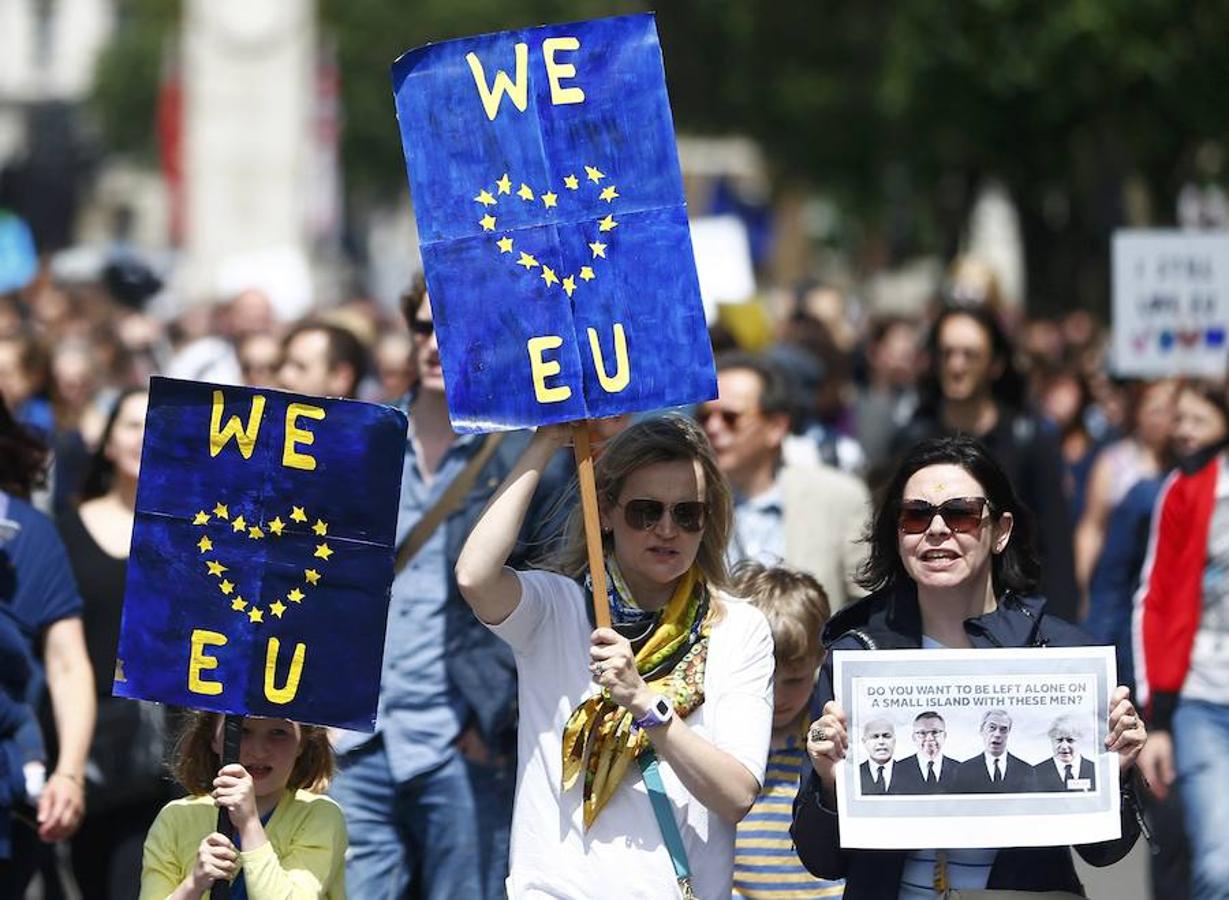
x=593, y=523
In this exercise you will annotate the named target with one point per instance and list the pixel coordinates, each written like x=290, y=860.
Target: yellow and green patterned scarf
x=599, y=737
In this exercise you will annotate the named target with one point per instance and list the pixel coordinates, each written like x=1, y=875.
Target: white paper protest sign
x=1171, y=303
x=976, y=748
x=723, y=261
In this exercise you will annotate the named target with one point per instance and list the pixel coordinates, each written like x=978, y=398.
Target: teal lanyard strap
x=665, y=820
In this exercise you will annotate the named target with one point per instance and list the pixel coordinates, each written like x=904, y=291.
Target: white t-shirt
x=622, y=854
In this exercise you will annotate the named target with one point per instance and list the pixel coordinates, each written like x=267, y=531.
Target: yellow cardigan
x=305, y=856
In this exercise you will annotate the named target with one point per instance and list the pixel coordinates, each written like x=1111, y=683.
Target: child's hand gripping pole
x=232, y=735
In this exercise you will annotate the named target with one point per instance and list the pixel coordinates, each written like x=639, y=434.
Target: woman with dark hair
x=106, y=852
x=950, y=566
x=973, y=388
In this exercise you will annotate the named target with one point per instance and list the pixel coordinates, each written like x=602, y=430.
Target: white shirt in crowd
x=622, y=854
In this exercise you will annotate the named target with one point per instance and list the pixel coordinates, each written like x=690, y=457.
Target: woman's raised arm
x=492, y=590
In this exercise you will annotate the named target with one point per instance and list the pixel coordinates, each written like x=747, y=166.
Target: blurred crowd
x=838, y=389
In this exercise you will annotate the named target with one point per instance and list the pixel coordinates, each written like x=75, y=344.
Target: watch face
x=662, y=708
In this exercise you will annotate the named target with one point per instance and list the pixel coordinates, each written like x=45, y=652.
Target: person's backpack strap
x=448, y=502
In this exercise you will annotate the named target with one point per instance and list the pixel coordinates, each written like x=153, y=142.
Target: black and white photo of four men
x=993, y=771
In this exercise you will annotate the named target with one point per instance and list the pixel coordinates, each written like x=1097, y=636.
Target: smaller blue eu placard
x=554, y=231
x=262, y=553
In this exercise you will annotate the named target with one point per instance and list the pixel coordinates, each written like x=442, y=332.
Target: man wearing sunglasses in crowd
x=810, y=518
x=428, y=797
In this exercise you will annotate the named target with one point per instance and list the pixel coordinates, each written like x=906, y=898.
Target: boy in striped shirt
x=765, y=864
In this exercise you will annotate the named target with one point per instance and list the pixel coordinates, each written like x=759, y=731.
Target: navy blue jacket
x=891, y=620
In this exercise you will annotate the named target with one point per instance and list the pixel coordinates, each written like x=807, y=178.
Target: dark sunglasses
x=729, y=417
x=641, y=515
x=422, y=327
x=960, y=514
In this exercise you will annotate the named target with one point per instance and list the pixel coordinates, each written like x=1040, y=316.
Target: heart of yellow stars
x=550, y=200
x=275, y=527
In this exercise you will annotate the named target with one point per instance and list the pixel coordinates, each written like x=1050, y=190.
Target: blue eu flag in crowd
x=262, y=553
x=554, y=232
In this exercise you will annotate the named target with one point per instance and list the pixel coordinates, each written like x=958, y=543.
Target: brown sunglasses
x=961, y=514
x=641, y=515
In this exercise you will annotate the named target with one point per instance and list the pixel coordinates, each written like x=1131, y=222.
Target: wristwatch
x=660, y=712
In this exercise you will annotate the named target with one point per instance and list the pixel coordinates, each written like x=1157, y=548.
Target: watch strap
x=652, y=718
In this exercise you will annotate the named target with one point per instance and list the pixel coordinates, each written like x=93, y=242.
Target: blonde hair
x=195, y=765
x=660, y=439
x=793, y=602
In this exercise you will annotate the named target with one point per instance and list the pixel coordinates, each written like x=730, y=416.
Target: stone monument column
x=248, y=76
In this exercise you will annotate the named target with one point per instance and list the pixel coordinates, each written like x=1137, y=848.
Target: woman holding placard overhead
x=950, y=566
x=640, y=746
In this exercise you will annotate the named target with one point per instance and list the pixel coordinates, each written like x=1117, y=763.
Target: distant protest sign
x=549, y=200
x=976, y=748
x=1171, y=303
x=262, y=553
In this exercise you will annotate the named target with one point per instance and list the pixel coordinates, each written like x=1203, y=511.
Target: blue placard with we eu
x=553, y=226
x=262, y=553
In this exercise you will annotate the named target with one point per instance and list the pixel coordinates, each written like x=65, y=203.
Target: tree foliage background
x=896, y=110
